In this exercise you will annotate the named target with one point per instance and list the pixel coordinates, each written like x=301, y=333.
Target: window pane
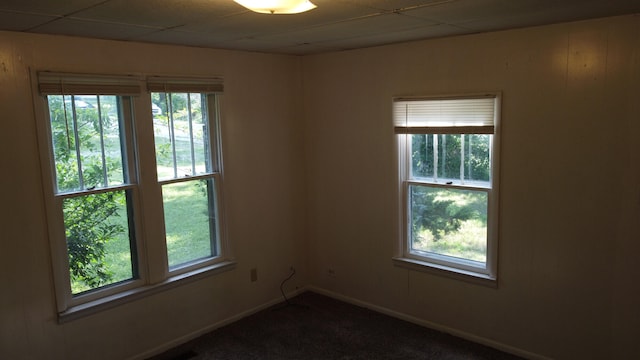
x=87, y=142
x=181, y=116
x=449, y=156
x=163, y=142
x=181, y=135
x=449, y=222
x=99, y=240
x=422, y=159
x=200, y=140
x=457, y=157
x=477, y=165
x=190, y=221
x=112, y=139
x=64, y=143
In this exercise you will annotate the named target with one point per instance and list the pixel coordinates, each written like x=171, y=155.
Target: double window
x=448, y=174
x=134, y=183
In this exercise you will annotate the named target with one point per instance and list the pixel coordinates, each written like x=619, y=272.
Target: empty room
x=172, y=168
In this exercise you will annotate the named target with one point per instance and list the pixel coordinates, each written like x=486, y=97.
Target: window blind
x=183, y=85
x=445, y=116
x=50, y=83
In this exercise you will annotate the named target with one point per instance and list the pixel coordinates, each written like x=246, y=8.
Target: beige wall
x=264, y=193
x=310, y=181
x=570, y=183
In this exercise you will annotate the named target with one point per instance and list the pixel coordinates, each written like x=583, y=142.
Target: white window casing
x=150, y=273
x=436, y=117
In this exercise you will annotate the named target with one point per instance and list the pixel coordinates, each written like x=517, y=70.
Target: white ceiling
x=334, y=25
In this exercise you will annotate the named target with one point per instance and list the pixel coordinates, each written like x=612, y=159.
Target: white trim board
x=431, y=325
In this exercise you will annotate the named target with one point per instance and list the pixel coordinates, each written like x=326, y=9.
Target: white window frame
x=457, y=268
x=148, y=217
x=212, y=91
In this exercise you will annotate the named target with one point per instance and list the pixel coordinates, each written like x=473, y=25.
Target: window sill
x=458, y=274
x=108, y=302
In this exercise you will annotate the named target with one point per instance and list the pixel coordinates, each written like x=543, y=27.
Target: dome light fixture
x=277, y=6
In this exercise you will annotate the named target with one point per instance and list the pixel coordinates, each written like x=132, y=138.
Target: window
x=188, y=172
x=95, y=186
x=448, y=172
x=94, y=155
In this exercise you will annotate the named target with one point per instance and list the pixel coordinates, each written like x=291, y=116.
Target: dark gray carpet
x=314, y=326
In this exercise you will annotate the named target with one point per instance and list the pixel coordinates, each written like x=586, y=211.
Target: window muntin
x=447, y=168
x=185, y=144
x=89, y=146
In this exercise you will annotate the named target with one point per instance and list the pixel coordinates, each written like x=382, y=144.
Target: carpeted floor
x=317, y=327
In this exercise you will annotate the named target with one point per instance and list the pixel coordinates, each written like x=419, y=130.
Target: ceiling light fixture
x=277, y=6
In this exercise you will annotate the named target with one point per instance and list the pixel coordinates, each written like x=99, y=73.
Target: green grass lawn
x=469, y=242
x=187, y=221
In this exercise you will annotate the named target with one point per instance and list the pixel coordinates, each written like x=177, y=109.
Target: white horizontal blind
x=50, y=83
x=185, y=85
x=445, y=116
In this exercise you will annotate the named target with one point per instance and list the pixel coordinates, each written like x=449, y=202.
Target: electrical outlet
x=331, y=272
x=254, y=275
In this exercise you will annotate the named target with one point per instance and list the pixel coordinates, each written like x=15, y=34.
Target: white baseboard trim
x=188, y=337
x=428, y=324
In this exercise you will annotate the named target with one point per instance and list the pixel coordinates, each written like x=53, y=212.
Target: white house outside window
x=448, y=168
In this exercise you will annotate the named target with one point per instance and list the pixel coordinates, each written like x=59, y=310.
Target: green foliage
x=88, y=230
x=478, y=159
x=178, y=103
x=422, y=155
x=475, y=161
x=442, y=211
